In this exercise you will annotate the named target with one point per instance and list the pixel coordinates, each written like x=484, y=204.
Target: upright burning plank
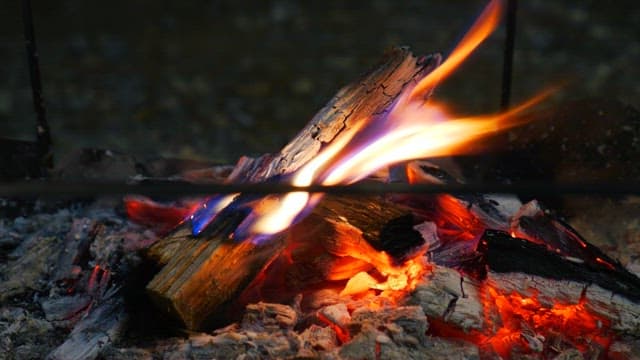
x=203, y=274
x=371, y=94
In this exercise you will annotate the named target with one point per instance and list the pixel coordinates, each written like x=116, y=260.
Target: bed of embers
x=74, y=277
x=307, y=275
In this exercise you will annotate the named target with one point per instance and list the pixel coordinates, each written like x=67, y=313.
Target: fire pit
x=306, y=274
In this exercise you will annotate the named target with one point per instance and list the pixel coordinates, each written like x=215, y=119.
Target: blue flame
x=202, y=217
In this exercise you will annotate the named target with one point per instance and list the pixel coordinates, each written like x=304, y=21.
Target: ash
x=63, y=278
x=69, y=274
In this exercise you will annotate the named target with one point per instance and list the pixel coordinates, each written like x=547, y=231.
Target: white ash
x=387, y=333
x=45, y=288
x=446, y=294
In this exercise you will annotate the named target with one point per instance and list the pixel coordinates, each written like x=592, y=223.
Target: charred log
x=506, y=254
x=370, y=95
x=203, y=275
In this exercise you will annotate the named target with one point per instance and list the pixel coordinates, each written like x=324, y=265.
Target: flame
x=412, y=129
x=207, y=211
x=481, y=29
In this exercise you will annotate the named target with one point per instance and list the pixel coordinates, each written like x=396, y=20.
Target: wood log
x=203, y=275
x=342, y=237
x=372, y=94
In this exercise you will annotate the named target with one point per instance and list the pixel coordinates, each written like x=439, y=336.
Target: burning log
x=340, y=241
x=368, y=96
x=203, y=275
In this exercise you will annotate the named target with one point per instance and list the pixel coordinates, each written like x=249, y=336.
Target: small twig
x=43, y=134
x=507, y=61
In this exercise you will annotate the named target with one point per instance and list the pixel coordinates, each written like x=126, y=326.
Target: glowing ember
x=396, y=279
x=523, y=319
x=162, y=217
x=524, y=325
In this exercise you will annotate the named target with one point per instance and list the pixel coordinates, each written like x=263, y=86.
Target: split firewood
x=201, y=276
x=205, y=273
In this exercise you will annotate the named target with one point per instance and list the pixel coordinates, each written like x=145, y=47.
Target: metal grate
x=168, y=189
x=39, y=188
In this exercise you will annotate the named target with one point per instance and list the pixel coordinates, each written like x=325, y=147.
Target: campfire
x=313, y=275
x=467, y=263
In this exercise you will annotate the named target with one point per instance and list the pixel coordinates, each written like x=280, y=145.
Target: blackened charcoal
x=399, y=238
x=506, y=254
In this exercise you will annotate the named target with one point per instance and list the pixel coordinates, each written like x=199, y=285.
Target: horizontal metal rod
x=43, y=189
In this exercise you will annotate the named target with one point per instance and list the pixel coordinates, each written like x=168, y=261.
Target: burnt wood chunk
x=505, y=254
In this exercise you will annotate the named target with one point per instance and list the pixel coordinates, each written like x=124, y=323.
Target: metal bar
x=60, y=189
x=43, y=134
x=507, y=59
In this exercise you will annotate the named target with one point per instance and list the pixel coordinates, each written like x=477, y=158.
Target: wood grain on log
x=203, y=274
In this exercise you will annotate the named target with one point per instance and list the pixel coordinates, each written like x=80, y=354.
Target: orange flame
x=480, y=30
x=411, y=130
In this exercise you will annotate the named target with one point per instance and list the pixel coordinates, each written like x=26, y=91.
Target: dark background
x=218, y=79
